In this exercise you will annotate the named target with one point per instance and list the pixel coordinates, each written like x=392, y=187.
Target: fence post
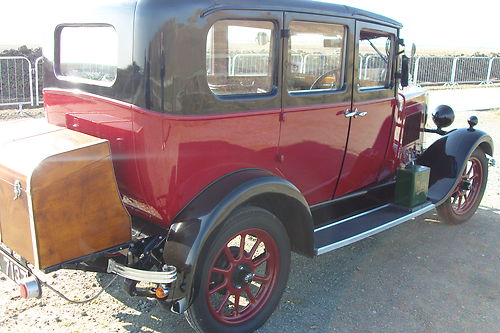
x=415, y=71
x=488, y=76
x=37, y=77
x=454, y=71
x=31, y=82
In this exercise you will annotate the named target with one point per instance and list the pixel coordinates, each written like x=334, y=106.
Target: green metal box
x=412, y=184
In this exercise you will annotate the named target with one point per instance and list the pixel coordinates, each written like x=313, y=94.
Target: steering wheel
x=321, y=77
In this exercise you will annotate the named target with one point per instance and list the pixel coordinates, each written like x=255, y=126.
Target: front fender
x=447, y=158
x=201, y=218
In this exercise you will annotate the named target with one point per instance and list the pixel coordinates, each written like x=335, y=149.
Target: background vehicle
x=237, y=132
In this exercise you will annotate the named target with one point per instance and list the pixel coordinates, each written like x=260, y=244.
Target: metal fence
x=425, y=70
x=16, y=81
x=456, y=70
x=21, y=81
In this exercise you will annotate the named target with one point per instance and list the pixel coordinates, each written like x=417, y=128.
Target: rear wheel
x=467, y=195
x=241, y=274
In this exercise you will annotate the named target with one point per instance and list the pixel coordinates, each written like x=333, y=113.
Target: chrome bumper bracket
x=168, y=275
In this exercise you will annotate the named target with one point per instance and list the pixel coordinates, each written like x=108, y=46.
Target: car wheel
x=242, y=273
x=467, y=195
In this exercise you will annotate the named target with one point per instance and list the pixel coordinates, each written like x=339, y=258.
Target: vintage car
x=190, y=146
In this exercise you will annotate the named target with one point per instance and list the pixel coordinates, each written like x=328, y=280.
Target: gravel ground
x=421, y=276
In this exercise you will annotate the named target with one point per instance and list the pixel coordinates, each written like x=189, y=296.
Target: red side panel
x=163, y=161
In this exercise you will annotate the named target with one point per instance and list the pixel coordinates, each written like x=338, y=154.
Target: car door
x=372, y=109
x=317, y=89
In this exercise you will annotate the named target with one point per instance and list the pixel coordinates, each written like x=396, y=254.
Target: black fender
x=447, y=158
x=201, y=218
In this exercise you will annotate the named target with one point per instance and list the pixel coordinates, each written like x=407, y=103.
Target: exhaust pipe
x=30, y=287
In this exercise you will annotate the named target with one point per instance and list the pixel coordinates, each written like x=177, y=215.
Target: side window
x=375, y=59
x=87, y=54
x=316, y=54
x=239, y=57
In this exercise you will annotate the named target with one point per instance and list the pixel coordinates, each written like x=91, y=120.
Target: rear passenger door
x=317, y=89
x=373, y=105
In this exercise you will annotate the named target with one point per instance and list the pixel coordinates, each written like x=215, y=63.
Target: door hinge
x=282, y=117
x=285, y=33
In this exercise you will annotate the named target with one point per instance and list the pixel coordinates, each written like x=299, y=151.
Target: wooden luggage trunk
x=59, y=199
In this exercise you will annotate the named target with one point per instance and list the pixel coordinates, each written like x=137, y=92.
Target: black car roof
x=308, y=6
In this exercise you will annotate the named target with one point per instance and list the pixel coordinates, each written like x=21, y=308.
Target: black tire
x=213, y=308
x=466, y=197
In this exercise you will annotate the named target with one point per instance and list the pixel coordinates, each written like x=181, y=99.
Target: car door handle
x=360, y=114
x=353, y=114
x=349, y=114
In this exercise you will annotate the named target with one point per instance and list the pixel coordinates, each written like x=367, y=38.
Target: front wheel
x=242, y=273
x=466, y=197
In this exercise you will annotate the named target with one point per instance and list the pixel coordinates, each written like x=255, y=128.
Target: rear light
x=161, y=293
x=30, y=287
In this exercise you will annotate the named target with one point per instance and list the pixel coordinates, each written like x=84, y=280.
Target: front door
x=317, y=89
x=372, y=109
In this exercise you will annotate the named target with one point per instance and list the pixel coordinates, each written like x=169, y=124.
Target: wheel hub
x=242, y=276
x=466, y=185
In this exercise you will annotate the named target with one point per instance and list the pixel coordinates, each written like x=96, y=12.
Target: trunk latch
x=17, y=190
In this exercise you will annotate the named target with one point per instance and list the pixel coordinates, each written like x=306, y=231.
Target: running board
x=352, y=229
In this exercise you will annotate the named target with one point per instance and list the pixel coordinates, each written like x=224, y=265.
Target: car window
x=375, y=59
x=239, y=57
x=315, y=56
x=88, y=54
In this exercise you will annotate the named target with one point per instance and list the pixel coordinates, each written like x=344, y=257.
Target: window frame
x=275, y=62
x=388, y=82
x=343, y=59
x=57, y=55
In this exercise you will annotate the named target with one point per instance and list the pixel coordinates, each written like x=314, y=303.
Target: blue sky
x=429, y=23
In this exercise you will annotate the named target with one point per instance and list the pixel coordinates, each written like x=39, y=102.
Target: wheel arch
x=196, y=222
x=447, y=158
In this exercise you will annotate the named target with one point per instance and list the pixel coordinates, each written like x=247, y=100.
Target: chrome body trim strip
x=374, y=231
x=167, y=276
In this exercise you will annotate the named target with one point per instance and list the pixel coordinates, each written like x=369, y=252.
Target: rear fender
x=447, y=158
x=201, y=218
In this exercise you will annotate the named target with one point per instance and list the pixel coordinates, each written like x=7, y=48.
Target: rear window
x=87, y=54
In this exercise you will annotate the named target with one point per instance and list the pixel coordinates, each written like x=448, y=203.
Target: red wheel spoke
x=262, y=279
x=224, y=301
x=455, y=197
x=218, y=288
x=228, y=254
x=460, y=202
x=237, y=303
x=254, y=248
x=221, y=271
x=260, y=260
x=249, y=294
x=242, y=246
